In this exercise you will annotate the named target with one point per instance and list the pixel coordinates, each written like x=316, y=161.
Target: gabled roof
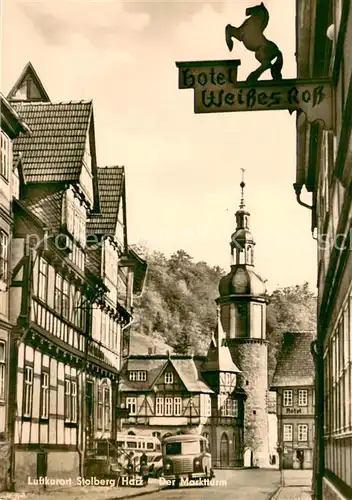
x=295, y=365
x=55, y=149
x=219, y=358
x=111, y=186
x=155, y=365
x=28, y=87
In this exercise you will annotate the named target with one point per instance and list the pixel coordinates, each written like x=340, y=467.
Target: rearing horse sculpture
x=251, y=34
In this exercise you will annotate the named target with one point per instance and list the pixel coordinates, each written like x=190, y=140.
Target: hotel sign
x=216, y=90
x=303, y=410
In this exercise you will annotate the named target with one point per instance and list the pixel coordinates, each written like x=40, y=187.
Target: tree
x=178, y=305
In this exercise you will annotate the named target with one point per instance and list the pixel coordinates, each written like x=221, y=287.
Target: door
x=224, y=451
x=42, y=465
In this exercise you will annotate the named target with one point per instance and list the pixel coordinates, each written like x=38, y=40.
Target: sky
x=182, y=170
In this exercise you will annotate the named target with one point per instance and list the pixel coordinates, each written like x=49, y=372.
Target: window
x=4, y=242
x=302, y=432
x=303, y=397
x=288, y=398
x=169, y=378
x=168, y=406
x=235, y=407
x=177, y=407
x=44, y=396
x=70, y=401
x=159, y=406
x=65, y=299
x=207, y=406
x=140, y=376
x=228, y=407
x=43, y=279
x=28, y=391
x=103, y=327
x=107, y=413
x=5, y=159
x=2, y=369
x=58, y=294
x=62, y=296
x=100, y=407
x=288, y=432
x=131, y=404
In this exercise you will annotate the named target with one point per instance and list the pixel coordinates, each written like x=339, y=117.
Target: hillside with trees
x=178, y=305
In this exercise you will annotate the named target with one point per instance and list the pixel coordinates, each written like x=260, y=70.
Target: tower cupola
x=242, y=279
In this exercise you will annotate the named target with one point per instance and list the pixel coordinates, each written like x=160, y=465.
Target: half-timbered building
x=68, y=305
x=11, y=127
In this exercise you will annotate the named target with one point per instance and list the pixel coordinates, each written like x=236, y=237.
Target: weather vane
x=242, y=188
x=251, y=34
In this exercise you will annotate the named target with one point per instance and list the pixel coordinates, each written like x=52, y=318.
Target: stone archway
x=224, y=450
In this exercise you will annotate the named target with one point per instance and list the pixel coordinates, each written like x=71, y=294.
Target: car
x=155, y=466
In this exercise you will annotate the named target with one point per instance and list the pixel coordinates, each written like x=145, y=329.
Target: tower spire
x=243, y=184
x=242, y=242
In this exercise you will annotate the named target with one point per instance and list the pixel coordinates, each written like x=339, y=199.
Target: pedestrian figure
x=143, y=460
x=145, y=474
x=143, y=468
x=130, y=466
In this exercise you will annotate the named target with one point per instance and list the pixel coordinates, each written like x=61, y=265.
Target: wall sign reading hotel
x=303, y=410
x=216, y=90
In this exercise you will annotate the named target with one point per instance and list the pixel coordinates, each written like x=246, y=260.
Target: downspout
x=81, y=448
x=298, y=190
x=319, y=459
x=15, y=341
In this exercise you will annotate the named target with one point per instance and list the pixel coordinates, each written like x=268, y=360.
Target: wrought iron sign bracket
x=216, y=90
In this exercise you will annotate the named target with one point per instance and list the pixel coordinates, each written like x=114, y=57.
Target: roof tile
x=54, y=150
x=110, y=185
x=295, y=365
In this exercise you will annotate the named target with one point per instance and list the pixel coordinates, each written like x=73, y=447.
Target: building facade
x=11, y=127
x=165, y=394
x=324, y=168
x=242, y=302
x=223, y=395
x=70, y=292
x=294, y=383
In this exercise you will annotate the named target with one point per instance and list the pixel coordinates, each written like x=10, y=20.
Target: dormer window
x=169, y=378
x=138, y=375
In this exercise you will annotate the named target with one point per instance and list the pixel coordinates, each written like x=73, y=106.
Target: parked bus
x=186, y=456
x=138, y=445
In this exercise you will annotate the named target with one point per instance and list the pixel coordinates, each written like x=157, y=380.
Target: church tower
x=243, y=300
x=226, y=422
